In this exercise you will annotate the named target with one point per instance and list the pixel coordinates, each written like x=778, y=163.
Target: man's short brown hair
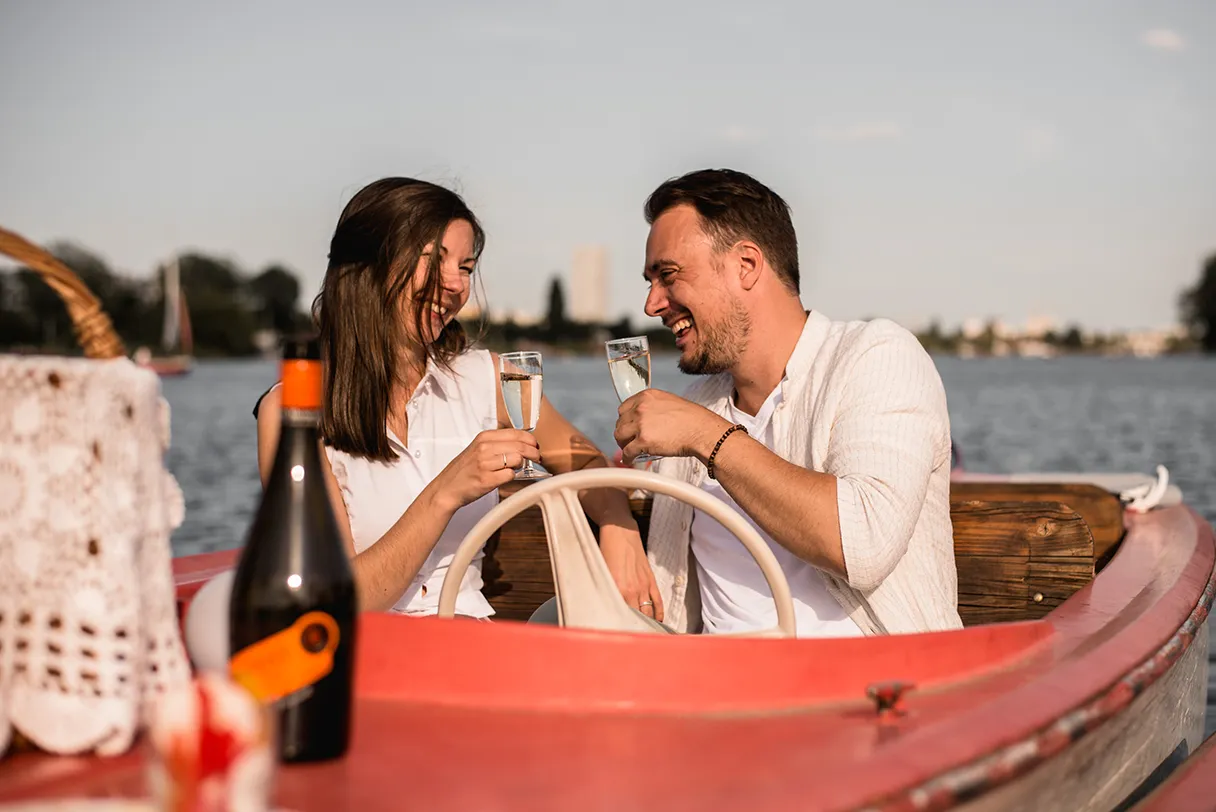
x=734, y=206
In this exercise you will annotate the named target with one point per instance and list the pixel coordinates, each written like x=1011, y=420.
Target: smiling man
x=831, y=437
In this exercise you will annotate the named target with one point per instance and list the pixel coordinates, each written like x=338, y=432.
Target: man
x=831, y=437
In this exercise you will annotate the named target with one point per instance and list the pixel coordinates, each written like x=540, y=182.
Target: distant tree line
x=227, y=307
x=1198, y=307
x=1070, y=339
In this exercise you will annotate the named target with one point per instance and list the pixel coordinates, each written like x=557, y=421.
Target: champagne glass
x=629, y=366
x=521, y=375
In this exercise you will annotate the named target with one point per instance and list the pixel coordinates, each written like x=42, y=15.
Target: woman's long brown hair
x=373, y=257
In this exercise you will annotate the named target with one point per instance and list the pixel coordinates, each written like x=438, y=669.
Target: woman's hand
x=487, y=463
x=622, y=550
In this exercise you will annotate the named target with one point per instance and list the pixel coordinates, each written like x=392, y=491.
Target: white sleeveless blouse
x=447, y=410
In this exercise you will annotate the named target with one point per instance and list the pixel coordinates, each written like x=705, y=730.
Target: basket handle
x=93, y=328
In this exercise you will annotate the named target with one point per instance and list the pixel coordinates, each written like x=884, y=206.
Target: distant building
x=1037, y=327
x=973, y=328
x=589, y=284
x=1151, y=343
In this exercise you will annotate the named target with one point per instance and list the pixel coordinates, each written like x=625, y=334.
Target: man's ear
x=751, y=261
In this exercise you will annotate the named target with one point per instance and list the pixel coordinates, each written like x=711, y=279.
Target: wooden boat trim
x=1017, y=758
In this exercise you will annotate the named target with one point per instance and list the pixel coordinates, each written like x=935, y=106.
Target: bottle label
x=287, y=661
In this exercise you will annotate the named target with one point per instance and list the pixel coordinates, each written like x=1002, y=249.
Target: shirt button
x=679, y=580
x=417, y=454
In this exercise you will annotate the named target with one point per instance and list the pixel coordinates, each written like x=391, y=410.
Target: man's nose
x=656, y=302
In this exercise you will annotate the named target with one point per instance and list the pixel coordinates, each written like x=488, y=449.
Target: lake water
x=1007, y=414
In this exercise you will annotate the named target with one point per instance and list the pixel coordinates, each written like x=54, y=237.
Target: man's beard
x=720, y=344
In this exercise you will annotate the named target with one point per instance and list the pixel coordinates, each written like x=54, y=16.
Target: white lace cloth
x=88, y=625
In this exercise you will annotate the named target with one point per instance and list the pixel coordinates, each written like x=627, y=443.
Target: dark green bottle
x=293, y=611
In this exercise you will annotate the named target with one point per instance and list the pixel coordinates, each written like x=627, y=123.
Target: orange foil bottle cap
x=301, y=384
x=302, y=373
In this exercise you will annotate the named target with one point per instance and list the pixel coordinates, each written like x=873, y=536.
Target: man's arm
x=855, y=519
x=795, y=506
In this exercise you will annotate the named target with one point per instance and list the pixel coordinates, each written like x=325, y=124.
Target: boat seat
x=1021, y=549
x=1101, y=509
x=1017, y=558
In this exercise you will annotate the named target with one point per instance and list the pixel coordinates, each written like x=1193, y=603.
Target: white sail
x=172, y=286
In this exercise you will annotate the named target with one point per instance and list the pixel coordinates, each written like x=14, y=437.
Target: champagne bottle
x=293, y=609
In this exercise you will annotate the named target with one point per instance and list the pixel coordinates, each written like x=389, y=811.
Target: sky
x=977, y=158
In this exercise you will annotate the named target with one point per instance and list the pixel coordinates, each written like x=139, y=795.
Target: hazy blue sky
x=942, y=158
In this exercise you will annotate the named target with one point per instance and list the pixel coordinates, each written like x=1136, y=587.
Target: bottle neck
x=301, y=418
x=299, y=449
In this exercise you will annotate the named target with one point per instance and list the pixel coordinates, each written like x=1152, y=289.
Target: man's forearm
x=796, y=507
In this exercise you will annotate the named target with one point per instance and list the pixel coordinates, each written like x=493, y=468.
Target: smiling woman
x=416, y=435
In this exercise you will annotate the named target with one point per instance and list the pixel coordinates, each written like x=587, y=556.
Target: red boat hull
x=1192, y=788
x=1069, y=712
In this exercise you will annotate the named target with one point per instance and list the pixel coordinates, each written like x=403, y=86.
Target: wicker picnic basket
x=88, y=628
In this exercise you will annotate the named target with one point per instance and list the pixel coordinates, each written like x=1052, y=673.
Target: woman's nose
x=455, y=282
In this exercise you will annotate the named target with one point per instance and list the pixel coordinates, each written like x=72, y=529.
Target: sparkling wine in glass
x=521, y=375
x=629, y=366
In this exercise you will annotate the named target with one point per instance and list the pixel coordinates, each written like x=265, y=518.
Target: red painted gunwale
x=457, y=714
x=1191, y=787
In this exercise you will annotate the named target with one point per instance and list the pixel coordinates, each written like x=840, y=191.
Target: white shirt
x=447, y=410
x=734, y=594
x=862, y=401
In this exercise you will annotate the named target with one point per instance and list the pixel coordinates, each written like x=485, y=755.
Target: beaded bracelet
x=710, y=465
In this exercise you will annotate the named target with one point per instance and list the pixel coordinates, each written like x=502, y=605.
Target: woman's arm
x=386, y=568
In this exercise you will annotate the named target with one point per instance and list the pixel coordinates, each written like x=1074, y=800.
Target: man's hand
x=665, y=425
x=622, y=550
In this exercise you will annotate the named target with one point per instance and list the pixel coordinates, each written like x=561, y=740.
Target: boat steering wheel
x=587, y=597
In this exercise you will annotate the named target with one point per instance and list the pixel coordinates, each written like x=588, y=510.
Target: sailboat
x=176, y=333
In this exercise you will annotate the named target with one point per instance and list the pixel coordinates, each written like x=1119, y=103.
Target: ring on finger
x=504, y=460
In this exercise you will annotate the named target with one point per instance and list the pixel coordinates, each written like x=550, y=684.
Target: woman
x=416, y=433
